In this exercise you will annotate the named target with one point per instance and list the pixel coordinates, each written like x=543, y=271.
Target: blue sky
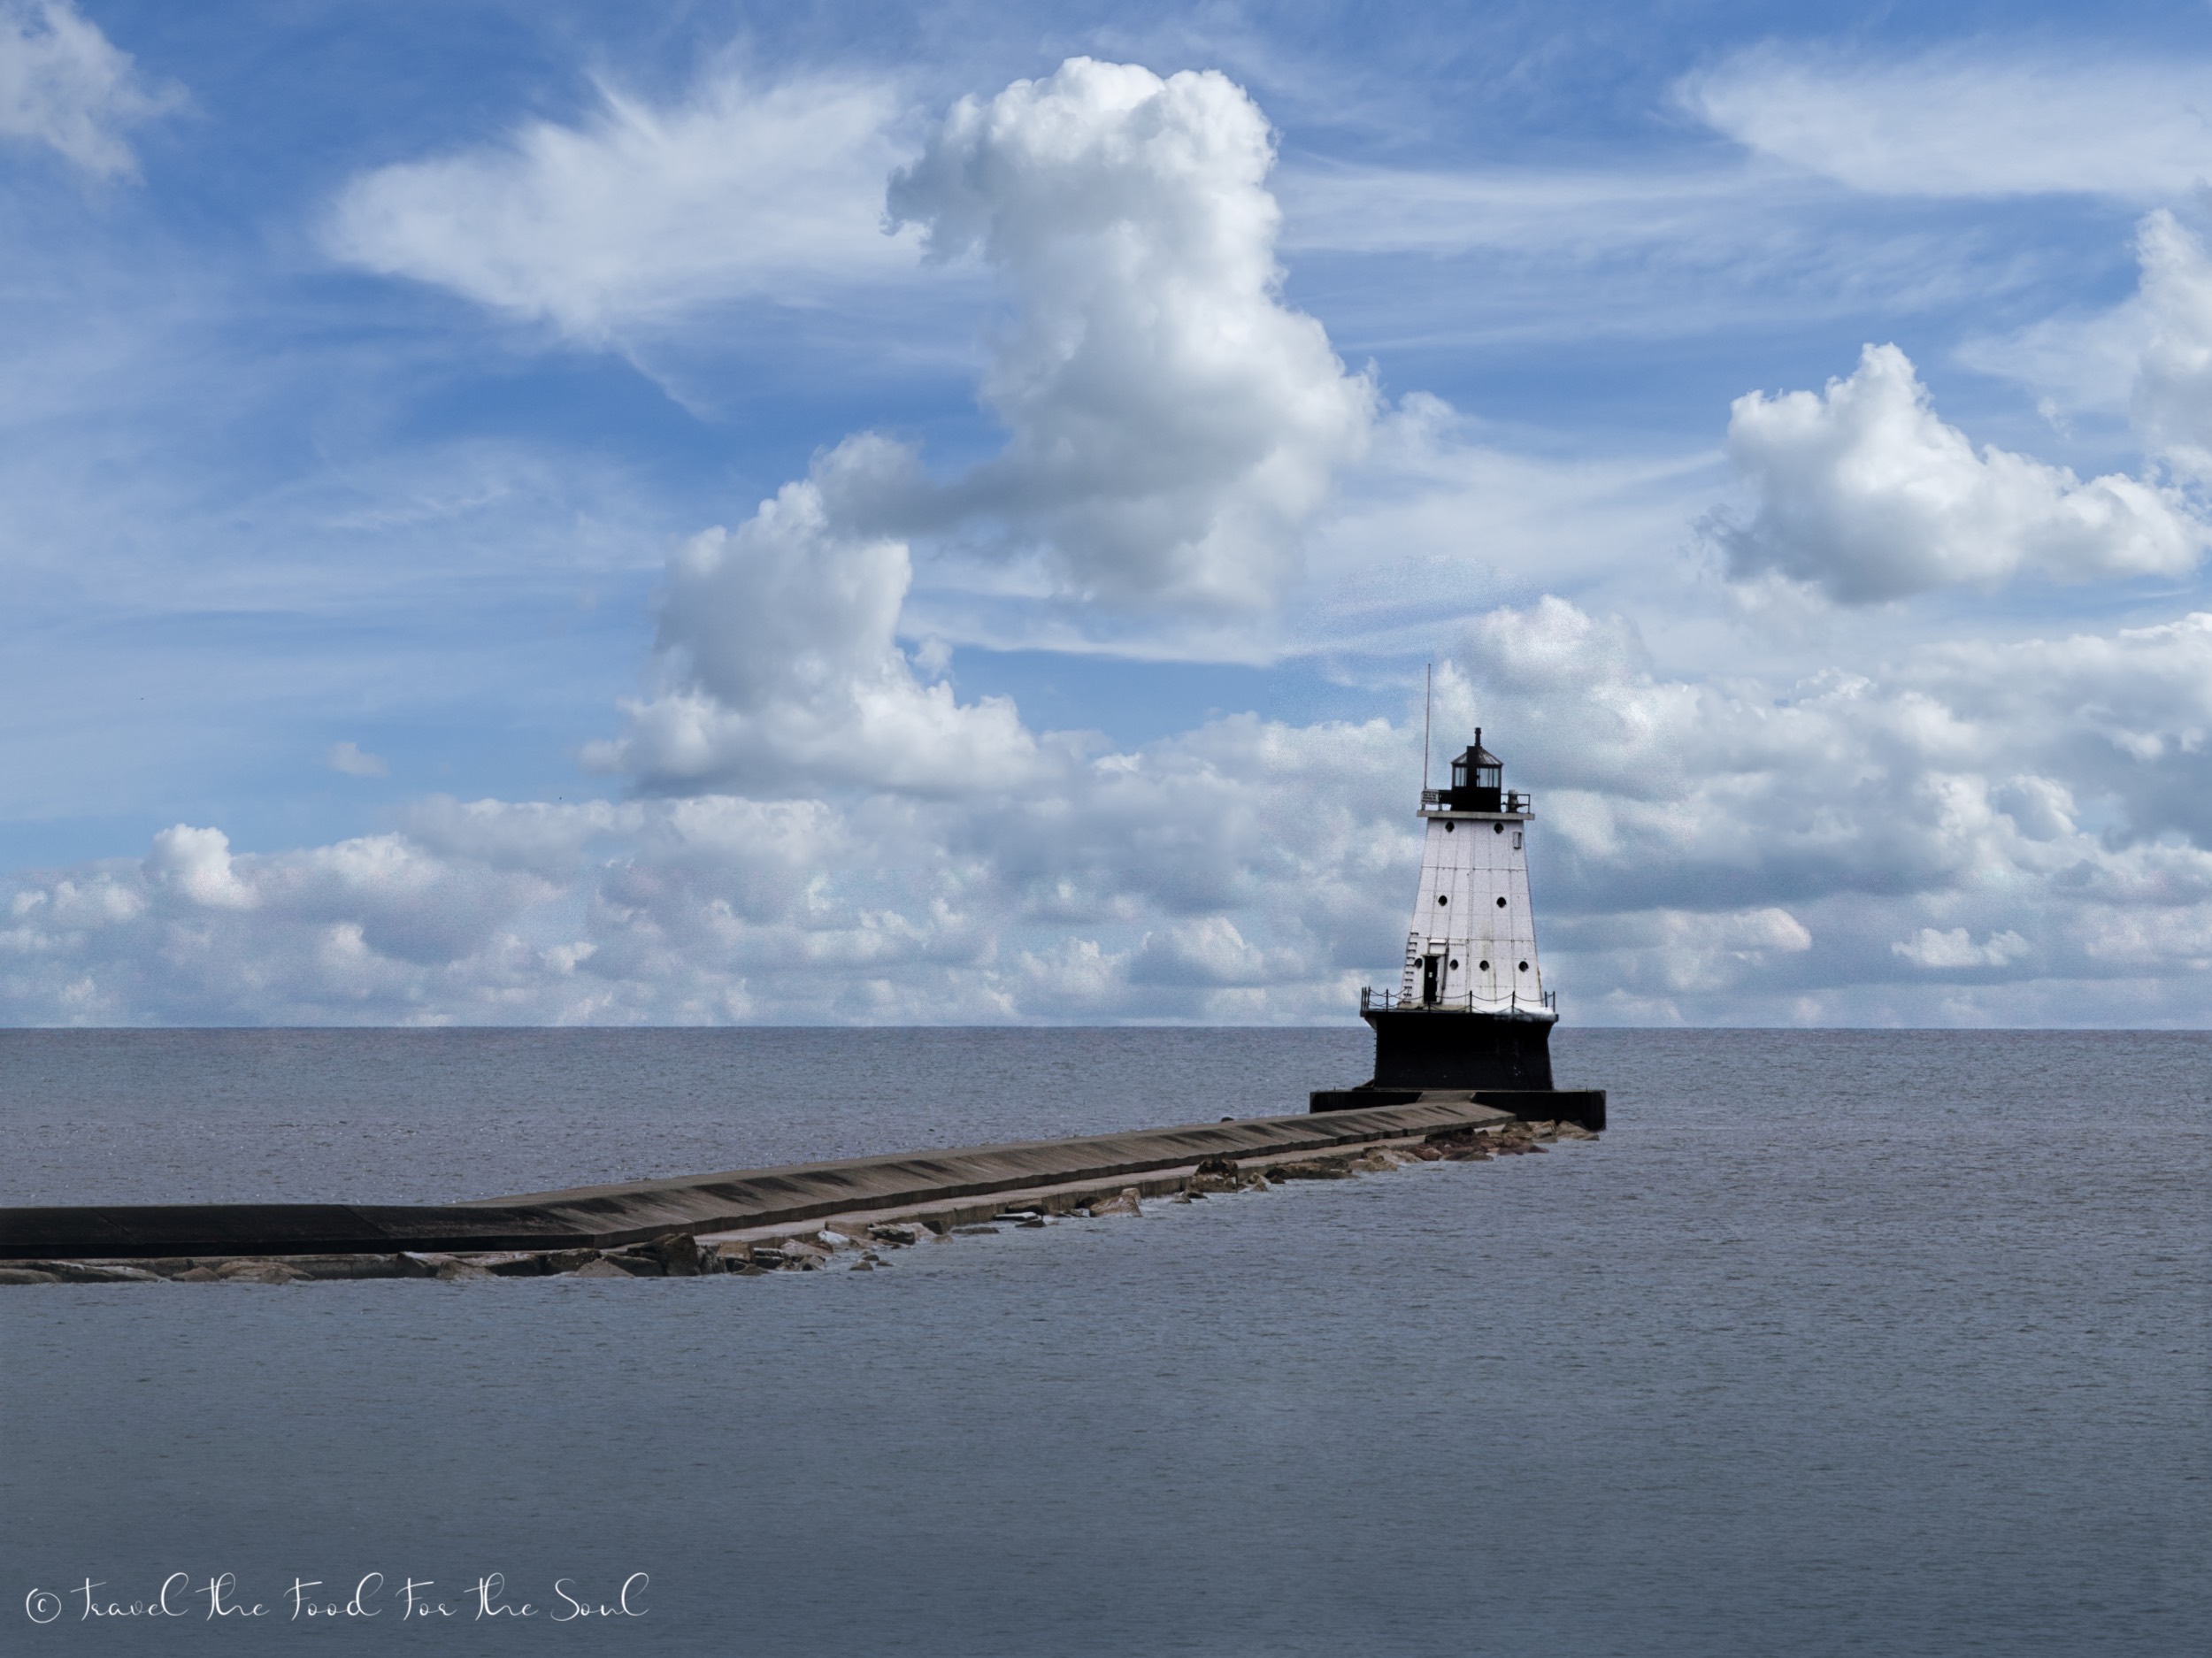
x=396, y=631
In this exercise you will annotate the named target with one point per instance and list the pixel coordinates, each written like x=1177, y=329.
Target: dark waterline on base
x=1839, y=1342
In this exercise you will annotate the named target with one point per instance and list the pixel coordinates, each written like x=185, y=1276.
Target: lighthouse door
x=1432, y=980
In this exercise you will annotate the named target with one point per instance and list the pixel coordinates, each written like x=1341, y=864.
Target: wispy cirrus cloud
x=638, y=214
x=65, y=86
x=352, y=759
x=1968, y=122
x=1679, y=244
x=1577, y=213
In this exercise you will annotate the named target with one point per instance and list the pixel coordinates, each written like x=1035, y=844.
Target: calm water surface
x=1844, y=1343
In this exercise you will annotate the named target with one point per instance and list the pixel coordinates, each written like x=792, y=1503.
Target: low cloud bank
x=1980, y=832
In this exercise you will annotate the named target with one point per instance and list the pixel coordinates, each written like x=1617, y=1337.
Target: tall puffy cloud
x=1172, y=426
x=1864, y=493
x=1171, y=422
x=64, y=84
x=637, y=213
x=195, y=864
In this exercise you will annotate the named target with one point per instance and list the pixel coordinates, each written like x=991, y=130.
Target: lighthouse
x=1470, y=1013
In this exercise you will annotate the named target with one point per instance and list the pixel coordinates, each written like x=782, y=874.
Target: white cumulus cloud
x=65, y=85
x=196, y=866
x=1172, y=427
x=1171, y=422
x=2150, y=357
x=778, y=642
x=351, y=758
x=1971, y=832
x=1955, y=948
x=1238, y=872
x=1865, y=492
x=2056, y=791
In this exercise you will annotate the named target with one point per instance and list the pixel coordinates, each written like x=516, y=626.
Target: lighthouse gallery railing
x=1511, y=803
x=1371, y=999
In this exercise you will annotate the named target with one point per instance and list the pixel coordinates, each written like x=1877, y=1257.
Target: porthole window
x=1524, y=966
x=1497, y=828
x=1445, y=898
x=1449, y=827
x=1455, y=964
x=1484, y=966
x=1501, y=903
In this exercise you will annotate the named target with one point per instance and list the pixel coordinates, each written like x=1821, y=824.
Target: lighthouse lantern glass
x=1478, y=779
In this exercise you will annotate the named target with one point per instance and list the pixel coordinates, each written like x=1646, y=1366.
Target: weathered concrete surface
x=1064, y=1197
x=607, y=1217
x=1583, y=1107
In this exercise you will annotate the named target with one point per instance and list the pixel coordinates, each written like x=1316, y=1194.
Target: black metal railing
x=1371, y=1000
x=1514, y=802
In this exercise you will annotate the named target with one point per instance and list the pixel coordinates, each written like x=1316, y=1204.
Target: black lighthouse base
x=1504, y=1059
x=1441, y=1048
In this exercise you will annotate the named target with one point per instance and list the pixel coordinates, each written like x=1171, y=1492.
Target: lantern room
x=1478, y=779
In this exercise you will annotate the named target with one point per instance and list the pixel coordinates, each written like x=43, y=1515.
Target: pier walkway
x=737, y=1201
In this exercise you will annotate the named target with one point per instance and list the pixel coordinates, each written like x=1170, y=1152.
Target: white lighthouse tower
x=1472, y=943
x=1470, y=1012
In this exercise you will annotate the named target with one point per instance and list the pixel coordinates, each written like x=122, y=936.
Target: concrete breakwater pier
x=748, y=1220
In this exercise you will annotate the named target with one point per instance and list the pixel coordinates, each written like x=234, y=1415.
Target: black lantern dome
x=1478, y=779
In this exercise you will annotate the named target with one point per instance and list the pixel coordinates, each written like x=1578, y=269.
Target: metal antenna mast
x=1428, y=698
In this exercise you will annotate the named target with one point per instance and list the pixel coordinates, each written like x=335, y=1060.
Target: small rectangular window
x=1516, y=840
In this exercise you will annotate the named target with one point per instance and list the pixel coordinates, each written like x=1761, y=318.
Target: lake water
x=1838, y=1343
